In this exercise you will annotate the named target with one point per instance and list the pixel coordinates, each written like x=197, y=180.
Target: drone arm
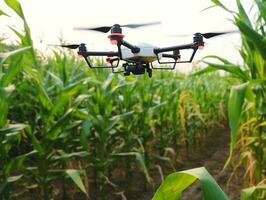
x=174, y=48
x=86, y=54
x=175, y=56
x=164, y=55
x=100, y=53
x=133, y=48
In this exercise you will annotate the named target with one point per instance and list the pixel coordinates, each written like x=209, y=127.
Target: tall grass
x=61, y=122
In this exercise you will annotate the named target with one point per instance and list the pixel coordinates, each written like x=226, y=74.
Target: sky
x=50, y=20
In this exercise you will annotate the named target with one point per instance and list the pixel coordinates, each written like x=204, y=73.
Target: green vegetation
x=175, y=183
x=247, y=101
x=64, y=125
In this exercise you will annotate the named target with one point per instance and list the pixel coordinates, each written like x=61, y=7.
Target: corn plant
x=246, y=106
x=10, y=131
x=49, y=108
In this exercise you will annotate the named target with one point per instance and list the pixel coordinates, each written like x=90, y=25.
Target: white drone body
x=146, y=53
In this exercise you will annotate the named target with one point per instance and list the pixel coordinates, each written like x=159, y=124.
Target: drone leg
x=148, y=70
x=126, y=72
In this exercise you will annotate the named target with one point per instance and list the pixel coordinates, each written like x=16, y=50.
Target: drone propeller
x=105, y=29
x=214, y=34
x=209, y=34
x=70, y=46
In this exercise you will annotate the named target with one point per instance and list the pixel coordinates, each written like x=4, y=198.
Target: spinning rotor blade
x=70, y=46
x=207, y=35
x=214, y=34
x=105, y=29
x=140, y=25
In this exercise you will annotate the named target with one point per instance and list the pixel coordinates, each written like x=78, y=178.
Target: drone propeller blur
x=138, y=59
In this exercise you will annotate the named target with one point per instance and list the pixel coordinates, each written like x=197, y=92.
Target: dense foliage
x=247, y=101
x=61, y=121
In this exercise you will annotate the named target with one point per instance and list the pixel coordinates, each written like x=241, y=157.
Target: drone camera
x=137, y=69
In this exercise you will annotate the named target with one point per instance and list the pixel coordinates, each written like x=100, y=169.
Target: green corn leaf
x=55, y=130
x=75, y=176
x=233, y=69
x=20, y=35
x=107, y=82
x=25, y=40
x=12, y=128
x=15, y=6
x=252, y=36
x=84, y=137
x=5, y=56
x=174, y=184
x=242, y=13
x=15, y=164
x=247, y=194
x=44, y=98
x=65, y=156
x=57, y=80
x=235, y=104
x=124, y=116
x=3, y=13
x=37, y=145
x=3, y=107
x=262, y=8
x=225, y=61
x=141, y=160
x=207, y=69
x=218, y=3
x=10, y=180
x=65, y=96
x=14, y=68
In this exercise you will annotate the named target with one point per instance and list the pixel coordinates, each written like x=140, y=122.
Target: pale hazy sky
x=50, y=19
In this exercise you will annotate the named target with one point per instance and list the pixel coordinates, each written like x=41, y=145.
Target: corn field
x=68, y=132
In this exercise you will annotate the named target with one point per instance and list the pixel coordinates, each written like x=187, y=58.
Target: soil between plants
x=212, y=155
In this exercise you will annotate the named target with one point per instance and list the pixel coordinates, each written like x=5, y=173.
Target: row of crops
x=59, y=119
x=63, y=126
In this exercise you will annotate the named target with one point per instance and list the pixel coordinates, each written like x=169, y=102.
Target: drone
x=138, y=59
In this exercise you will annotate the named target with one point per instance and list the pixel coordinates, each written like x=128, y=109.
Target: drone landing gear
x=137, y=69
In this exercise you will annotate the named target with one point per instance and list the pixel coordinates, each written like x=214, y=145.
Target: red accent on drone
x=201, y=46
x=114, y=42
x=80, y=55
x=109, y=59
x=116, y=34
